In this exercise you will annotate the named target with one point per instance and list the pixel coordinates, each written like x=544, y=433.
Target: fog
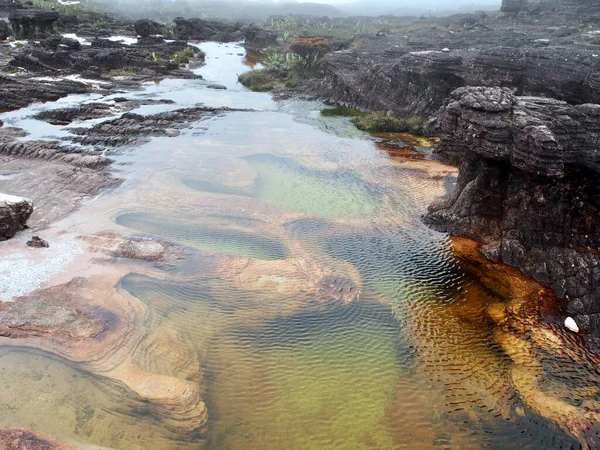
x=262, y=9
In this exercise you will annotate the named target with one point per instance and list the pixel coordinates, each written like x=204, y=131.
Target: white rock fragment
x=571, y=324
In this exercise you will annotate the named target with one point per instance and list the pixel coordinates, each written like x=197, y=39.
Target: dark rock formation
x=4, y=31
x=133, y=129
x=17, y=93
x=32, y=23
x=37, y=242
x=90, y=111
x=14, y=212
x=415, y=77
x=146, y=28
x=59, y=55
x=205, y=30
x=257, y=38
x=528, y=187
x=579, y=9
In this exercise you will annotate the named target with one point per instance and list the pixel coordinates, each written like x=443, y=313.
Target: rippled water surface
x=410, y=362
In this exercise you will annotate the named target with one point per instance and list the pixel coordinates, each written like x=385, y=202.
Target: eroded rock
x=14, y=212
x=528, y=187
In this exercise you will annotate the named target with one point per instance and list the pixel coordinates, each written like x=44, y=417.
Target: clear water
x=411, y=363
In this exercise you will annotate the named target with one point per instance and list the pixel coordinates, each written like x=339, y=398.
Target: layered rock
x=32, y=23
x=17, y=93
x=414, y=74
x=206, y=30
x=116, y=337
x=14, y=212
x=575, y=8
x=528, y=187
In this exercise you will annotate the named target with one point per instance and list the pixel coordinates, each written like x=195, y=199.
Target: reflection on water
x=411, y=363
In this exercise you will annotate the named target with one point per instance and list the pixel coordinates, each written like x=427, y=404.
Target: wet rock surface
x=527, y=187
x=19, y=92
x=131, y=128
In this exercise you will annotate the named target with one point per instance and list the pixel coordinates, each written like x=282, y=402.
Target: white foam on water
x=82, y=41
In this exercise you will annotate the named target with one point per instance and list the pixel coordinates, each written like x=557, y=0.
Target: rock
x=4, y=32
x=576, y=9
x=571, y=324
x=37, y=242
x=146, y=28
x=32, y=23
x=528, y=187
x=28, y=439
x=17, y=93
x=258, y=39
x=205, y=30
x=405, y=75
x=132, y=129
x=14, y=212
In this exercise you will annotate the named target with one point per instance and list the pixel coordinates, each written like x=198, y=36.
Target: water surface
x=410, y=363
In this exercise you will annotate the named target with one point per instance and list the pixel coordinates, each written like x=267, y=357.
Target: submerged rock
x=28, y=439
x=14, y=212
x=528, y=187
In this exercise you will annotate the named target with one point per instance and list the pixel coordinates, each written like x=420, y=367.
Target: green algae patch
x=292, y=187
x=207, y=237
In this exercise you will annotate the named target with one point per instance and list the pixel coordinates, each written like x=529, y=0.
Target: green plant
x=182, y=56
x=155, y=57
x=342, y=111
x=386, y=121
x=258, y=80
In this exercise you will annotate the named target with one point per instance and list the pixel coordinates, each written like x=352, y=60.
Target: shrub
x=343, y=111
x=388, y=122
x=183, y=56
x=258, y=80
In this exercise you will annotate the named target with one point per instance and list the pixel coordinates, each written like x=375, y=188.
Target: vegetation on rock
x=386, y=121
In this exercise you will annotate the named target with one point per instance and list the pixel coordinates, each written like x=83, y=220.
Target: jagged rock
x=577, y=9
x=146, y=28
x=32, y=23
x=37, y=242
x=17, y=93
x=257, y=38
x=528, y=187
x=414, y=74
x=60, y=56
x=205, y=30
x=14, y=212
x=4, y=32
x=132, y=129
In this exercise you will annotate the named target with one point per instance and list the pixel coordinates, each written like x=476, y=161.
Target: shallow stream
x=409, y=363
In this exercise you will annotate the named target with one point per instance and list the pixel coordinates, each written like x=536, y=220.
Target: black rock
x=37, y=242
